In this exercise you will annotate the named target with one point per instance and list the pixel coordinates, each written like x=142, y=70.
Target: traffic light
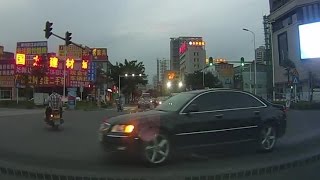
x=48, y=29
x=242, y=61
x=210, y=61
x=68, y=38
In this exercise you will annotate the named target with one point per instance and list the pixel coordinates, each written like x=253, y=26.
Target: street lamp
x=119, y=80
x=255, y=61
x=169, y=84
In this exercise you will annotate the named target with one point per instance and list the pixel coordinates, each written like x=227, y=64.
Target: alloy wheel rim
x=157, y=150
x=268, y=137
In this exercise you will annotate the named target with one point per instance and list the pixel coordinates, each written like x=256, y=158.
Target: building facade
x=192, y=56
x=244, y=78
x=163, y=65
x=285, y=17
x=175, y=44
x=7, y=76
x=261, y=54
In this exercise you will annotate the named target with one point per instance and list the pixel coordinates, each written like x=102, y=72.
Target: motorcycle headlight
x=122, y=128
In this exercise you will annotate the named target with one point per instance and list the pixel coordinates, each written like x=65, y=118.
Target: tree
x=195, y=80
x=129, y=84
x=288, y=66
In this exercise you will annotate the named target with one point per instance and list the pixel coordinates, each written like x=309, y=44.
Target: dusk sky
x=137, y=29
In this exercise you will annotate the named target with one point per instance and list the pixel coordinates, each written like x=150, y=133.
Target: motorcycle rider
x=54, y=102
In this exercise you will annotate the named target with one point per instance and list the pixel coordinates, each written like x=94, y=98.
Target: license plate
x=56, y=123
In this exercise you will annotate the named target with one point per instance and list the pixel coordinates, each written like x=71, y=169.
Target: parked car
x=193, y=120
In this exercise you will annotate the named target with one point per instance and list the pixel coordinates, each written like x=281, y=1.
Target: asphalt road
x=25, y=140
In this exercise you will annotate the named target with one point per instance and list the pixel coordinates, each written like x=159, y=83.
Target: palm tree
x=128, y=85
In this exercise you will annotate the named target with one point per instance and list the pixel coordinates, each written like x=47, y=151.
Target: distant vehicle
x=196, y=119
x=145, y=101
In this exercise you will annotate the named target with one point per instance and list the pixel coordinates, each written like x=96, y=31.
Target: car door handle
x=256, y=112
x=219, y=115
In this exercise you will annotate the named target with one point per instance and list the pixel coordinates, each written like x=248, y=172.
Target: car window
x=175, y=103
x=210, y=101
x=241, y=100
x=225, y=100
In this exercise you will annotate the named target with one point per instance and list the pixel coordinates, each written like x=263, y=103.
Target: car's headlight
x=122, y=128
x=160, y=102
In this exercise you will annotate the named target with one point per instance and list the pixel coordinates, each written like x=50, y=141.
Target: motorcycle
x=55, y=119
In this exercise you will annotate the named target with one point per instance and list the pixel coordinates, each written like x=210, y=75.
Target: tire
x=157, y=151
x=267, y=138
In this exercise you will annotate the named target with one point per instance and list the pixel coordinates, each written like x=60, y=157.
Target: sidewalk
x=18, y=112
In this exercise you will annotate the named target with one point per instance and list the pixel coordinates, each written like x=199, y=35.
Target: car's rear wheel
x=268, y=138
x=157, y=151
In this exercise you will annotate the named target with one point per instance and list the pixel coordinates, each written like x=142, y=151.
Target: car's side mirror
x=192, y=108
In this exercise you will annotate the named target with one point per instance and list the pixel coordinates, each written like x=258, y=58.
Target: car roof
x=214, y=89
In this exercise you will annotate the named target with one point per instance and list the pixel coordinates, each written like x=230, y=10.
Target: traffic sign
x=92, y=71
x=295, y=80
x=295, y=72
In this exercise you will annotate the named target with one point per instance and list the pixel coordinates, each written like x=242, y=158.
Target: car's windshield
x=176, y=102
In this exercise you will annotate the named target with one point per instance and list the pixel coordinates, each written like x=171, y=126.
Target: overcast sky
x=137, y=29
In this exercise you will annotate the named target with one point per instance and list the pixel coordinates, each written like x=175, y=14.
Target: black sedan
x=192, y=120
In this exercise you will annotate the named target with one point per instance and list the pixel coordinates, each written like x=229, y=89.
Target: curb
x=268, y=170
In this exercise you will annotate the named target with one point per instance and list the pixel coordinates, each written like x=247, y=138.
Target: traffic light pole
x=64, y=71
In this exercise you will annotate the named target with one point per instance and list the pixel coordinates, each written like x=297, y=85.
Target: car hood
x=137, y=117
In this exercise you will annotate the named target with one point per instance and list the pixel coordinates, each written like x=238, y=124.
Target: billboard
x=98, y=54
x=31, y=49
x=309, y=38
x=73, y=52
x=76, y=74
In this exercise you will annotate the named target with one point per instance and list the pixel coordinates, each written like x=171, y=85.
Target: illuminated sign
x=309, y=38
x=171, y=75
x=183, y=48
x=84, y=64
x=99, y=53
x=196, y=43
x=53, y=62
x=220, y=60
x=36, y=60
x=20, y=59
x=70, y=63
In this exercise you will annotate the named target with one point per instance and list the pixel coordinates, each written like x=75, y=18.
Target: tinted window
x=225, y=100
x=241, y=100
x=210, y=101
x=176, y=102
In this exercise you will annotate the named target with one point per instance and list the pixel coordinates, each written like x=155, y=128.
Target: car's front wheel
x=157, y=151
x=268, y=138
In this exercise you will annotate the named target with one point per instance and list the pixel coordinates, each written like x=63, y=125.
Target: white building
x=163, y=65
x=192, y=56
x=286, y=16
x=261, y=54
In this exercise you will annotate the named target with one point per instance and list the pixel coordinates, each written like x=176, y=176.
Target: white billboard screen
x=310, y=40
